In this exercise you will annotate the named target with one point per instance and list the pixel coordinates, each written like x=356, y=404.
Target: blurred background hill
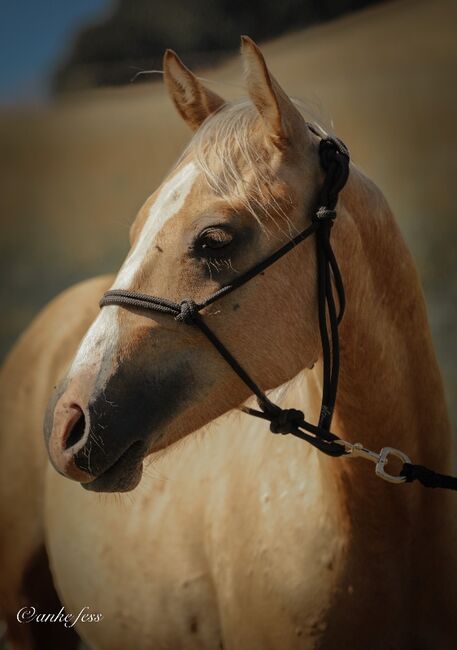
x=75, y=170
x=136, y=33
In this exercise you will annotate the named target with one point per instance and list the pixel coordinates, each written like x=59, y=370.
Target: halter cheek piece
x=334, y=159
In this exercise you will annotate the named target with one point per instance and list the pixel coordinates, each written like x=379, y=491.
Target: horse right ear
x=194, y=102
x=281, y=119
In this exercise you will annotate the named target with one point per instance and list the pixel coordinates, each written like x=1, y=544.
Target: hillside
x=73, y=174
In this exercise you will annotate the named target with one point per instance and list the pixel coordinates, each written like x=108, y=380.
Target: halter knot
x=286, y=421
x=189, y=309
x=324, y=214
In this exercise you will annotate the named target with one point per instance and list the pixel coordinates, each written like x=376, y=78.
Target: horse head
x=244, y=186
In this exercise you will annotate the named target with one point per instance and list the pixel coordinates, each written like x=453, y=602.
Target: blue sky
x=34, y=34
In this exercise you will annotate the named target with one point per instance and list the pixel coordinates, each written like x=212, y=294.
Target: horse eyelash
x=219, y=264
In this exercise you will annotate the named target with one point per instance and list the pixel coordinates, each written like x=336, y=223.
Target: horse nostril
x=76, y=427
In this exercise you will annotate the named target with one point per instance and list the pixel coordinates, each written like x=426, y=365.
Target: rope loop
x=334, y=158
x=332, y=149
x=286, y=421
x=189, y=310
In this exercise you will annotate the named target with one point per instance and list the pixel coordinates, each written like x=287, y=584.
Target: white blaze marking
x=104, y=330
x=170, y=200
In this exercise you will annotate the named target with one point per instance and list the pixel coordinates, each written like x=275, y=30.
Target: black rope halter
x=334, y=158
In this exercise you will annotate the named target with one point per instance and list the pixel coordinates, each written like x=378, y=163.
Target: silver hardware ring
x=380, y=458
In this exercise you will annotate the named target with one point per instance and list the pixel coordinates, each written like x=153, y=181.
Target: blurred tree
x=137, y=32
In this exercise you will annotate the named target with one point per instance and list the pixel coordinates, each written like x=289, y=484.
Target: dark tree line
x=137, y=32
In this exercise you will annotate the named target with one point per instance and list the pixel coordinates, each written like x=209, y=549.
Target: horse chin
x=123, y=476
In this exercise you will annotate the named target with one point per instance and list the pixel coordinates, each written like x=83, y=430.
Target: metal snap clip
x=384, y=459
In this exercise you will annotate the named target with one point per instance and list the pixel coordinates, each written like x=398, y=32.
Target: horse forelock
x=236, y=158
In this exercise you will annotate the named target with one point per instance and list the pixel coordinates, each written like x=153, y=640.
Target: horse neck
x=390, y=394
x=390, y=391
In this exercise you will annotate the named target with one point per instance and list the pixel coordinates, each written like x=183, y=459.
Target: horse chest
x=135, y=565
x=166, y=573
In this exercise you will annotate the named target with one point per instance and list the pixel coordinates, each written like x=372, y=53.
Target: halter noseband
x=334, y=159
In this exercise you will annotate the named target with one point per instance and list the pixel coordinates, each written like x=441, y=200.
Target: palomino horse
x=234, y=538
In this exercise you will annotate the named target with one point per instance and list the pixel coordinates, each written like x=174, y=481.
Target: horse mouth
x=123, y=475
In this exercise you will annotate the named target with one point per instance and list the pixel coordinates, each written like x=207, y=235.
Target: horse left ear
x=280, y=116
x=194, y=102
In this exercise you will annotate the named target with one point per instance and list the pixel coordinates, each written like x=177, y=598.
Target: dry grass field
x=74, y=173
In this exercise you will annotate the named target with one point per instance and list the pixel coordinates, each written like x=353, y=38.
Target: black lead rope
x=427, y=477
x=334, y=158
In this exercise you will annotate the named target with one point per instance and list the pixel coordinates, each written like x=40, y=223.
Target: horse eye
x=215, y=238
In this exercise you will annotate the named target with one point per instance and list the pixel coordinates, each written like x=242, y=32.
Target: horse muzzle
x=98, y=433
x=79, y=447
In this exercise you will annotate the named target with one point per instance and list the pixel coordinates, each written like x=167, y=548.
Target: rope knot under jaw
x=286, y=421
x=189, y=310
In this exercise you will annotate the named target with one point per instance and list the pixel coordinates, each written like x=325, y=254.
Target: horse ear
x=280, y=116
x=193, y=101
